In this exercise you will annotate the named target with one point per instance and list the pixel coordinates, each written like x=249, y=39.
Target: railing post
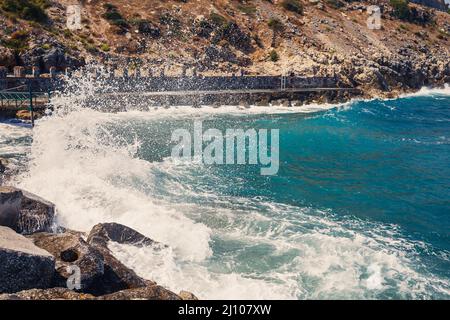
x=283, y=82
x=19, y=72
x=3, y=72
x=52, y=72
x=35, y=72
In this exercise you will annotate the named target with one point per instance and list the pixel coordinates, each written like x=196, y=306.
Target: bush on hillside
x=275, y=24
x=18, y=41
x=274, y=57
x=33, y=10
x=401, y=8
x=113, y=15
x=293, y=5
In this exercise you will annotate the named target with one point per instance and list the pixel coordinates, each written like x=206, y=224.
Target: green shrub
x=274, y=56
x=401, y=8
x=67, y=33
x=105, y=47
x=335, y=3
x=18, y=41
x=275, y=24
x=249, y=10
x=113, y=15
x=403, y=27
x=217, y=19
x=109, y=6
x=33, y=10
x=90, y=48
x=293, y=5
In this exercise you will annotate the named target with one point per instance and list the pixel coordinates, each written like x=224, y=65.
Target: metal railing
x=23, y=97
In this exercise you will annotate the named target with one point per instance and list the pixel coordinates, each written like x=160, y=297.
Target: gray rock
x=70, y=249
x=24, y=212
x=47, y=294
x=145, y=293
x=116, y=275
x=22, y=264
x=102, y=233
x=186, y=295
x=219, y=54
x=57, y=57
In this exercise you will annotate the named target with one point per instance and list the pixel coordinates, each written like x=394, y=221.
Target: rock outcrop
x=437, y=4
x=102, y=233
x=56, y=56
x=154, y=292
x=47, y=294
x=70, y=250
x=25, y=212
x=186, y=295
x=116, y=275
x=22, y=264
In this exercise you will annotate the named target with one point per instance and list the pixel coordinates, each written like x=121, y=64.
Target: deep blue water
x=368, y=166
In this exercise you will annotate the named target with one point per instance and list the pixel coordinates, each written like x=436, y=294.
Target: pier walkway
x=21, y=91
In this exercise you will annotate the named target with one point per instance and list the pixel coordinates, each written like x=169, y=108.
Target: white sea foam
x=14, y=142
x=426, y=91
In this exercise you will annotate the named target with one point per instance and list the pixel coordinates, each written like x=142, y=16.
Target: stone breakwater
x=38, y=258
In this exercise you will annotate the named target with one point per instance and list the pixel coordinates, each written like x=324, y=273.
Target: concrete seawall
x=119, y=93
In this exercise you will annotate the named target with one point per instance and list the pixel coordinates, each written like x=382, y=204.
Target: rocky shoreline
x=40, y=260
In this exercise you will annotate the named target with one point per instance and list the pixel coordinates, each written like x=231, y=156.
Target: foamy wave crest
x=425, y=91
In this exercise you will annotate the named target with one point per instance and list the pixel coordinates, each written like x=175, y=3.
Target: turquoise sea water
x=360, y=207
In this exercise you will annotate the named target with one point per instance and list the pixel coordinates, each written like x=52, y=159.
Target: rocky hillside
x=308, y=37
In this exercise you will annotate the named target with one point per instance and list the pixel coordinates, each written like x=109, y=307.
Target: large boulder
x=25, y=212
x=116, y=276
x=70, y=250
x=153, y=292
x=47, y=294
x=102, y=233
x=22, y=264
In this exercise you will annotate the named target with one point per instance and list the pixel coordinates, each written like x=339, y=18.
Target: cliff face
x=437, y=4
x=314, y=37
